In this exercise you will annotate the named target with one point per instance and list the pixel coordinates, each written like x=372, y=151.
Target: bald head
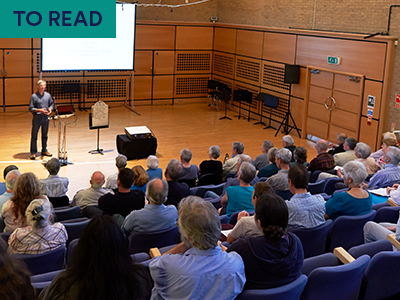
x=322, y=146
x=157, y=191
x=11, y=178
x=97, y=180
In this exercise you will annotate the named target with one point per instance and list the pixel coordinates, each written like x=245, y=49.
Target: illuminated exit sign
x=334, y=60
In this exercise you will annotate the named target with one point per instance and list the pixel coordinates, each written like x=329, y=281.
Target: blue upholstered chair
x=75, y=227
x=329, y=187
x=234, y=216
x=337, y=282
x=387, y=214
x=142, y=242
x=91, y=211
x=286, y=195
x=59, y=201
x=5, y=236
x=290, y=291
x=201, y=190
x=323, y=260
x=317, y=187
x=371, y=248
x=66, y=213
x=40, y=281
x=2, y=224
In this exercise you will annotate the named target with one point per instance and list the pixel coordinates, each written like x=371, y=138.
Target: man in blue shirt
x=41, y=106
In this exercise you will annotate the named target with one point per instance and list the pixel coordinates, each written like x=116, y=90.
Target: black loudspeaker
x=292, y=74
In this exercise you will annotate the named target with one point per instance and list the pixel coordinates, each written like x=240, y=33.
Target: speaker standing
x=41, y=106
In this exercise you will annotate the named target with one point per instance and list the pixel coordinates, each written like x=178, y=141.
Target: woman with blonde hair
x=388, y=139
x=13, y=211
x=141, y=179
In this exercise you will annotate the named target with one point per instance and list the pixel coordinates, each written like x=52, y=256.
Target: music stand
x=249, y=100
x=226, y=96
x=260, y=97
x=215, y=86
x=239, y=96
x=271, y=102
x=71, y=88
x=98, y=118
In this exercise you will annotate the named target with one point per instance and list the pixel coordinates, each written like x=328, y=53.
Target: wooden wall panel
x=372, y=88
x=1, y=92
x=358, y=57
x=249, y=43
x=149, y=37
x=190, y=38
x=163, y=87
x=37, y=43
x=345, y=119
x=142, y=87
x=225, y=40
x=164, y=62
x=297, y=107
x=317, y=128
x=299, y=90
x=319, y=95
x=347, y=102
x=334, y=130
x=18, y=91
x=279, y=47
x=318, y=111
x=18, y=63
x=369, y=133
x=143, y=62
x=322, y=79
x=348, y=84
x=15, y=43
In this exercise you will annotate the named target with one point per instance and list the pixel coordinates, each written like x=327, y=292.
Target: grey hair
x=120, y=161
x=41, y=81
x=215, y=151
x=351, y=142
x=11, y=179
x=174, y=169
x=284, y=154
x=41, y=219
x=186, y=155
x=97, y=185
x=288, y=139
x=394, y=154
x=152, y=162
x=271, y=154
x=363, y=149
x=322, y=144
x=356, y=171
x=199, y=223
x=53, y=166
x=238, y=146
x=155, y=195
x=267, y=144
x=244, y=158
x=247, y=171
x=342, y=137
x=389, y=136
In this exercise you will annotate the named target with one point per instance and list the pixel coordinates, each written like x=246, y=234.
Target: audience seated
x=176, y=190
x=125, y=200
x=11, y=179
x=389, y=139
x=279, y=181
x=140, y=179
x=339, y=147
x=262, y=160
x=212, y=166
x=153, y=170
x=238, y=197
x=120, y=163
x=90, y=196
x=53, y=185
x=300, y=157
x=101, y=267
x=155, y=216
x=342, y=158
x=288, y=143
x=15, y=279
x=204, y=271
x=305, y=210
x=41, y=235
x=5, y=172
x=323, y=161
x=276, y=258
x=13, y=211
x=394, y=193
x=235, y=181
x=356, y=201
x=390, y=174
x=363, y=152
x=379, y=231
x=246, y=224
x=230, y=164
x=189, y=172
x=272, y=168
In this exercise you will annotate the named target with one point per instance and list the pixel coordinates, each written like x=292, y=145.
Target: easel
x=100, y=115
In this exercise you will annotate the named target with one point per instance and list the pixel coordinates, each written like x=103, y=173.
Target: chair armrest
x=392, y=239
x=343, y=255
x=154, y=252
x=391, y=202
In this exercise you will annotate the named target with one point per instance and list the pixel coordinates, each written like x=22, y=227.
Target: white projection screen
x=86, y=54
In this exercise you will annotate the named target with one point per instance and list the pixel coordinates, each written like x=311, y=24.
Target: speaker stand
x=287, y=118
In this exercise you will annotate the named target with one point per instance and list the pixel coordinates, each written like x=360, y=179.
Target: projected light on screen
x=94, y=54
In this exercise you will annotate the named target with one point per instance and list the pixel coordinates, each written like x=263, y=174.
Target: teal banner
x=58, y=19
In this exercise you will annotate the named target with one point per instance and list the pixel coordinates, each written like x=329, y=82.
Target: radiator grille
x=193, y=62
x=223, y=64
x=191, y=85
x=248, y=70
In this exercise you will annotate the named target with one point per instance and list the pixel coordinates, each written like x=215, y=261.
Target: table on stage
x=137, y=148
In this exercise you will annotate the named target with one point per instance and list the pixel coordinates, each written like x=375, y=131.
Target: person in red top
x=323, y=161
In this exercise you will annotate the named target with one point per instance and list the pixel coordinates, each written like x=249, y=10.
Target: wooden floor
x=183, y=125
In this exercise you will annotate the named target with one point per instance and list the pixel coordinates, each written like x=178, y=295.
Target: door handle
x=333, y=103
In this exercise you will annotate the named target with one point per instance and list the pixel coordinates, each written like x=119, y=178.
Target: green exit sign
x=334, y=60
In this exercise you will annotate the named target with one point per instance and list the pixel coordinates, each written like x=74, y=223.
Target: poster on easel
x=99, y=118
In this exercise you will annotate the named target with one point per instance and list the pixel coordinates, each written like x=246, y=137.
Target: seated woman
x=13, y=211
x=356, y=201
x=15, y=279
x=213, y=165
x=363, y=152
x=271, y=169
x=300, y=157
x=141, y=179
x=40, y=236
x=275, y=258
x=101, y=267
x=153, y=170
x=388, y=139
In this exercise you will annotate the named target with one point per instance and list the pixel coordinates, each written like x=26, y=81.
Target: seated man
x=155, y=216
x=235, y=181
x=238, y=197
x=288, y=143
x=246, y=225
x=54, y=185
x=5, y=172
x=305, y=210
x=176, y=190
x=279, y=181
x=271, y=169
x=213, y=166
x=262, y=160
x=90, y=196
x=338, y=148
x=197, y=268
x=11, y=178
x=124, y=201
x=230, y=165
x=324, y=161
x=342, y=158
x=120, y=163
x=390, y=174
x=379, y=231
x=189, y=172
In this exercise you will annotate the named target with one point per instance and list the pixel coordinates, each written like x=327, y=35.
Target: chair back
x=329, y=187
x=70, y=252
x=380, y=205
x=313, y=239
x=323, y=260
x=5, y=235
x=211, y=178
x=201, y=190
x=387, y=214
x=40, y=281
x=348, y=231
x=59, y=201
x=316, y=188
x=62, y=214
x=75, y=227
x=286, y=195
x=91, y=211
x=234, y=216
x=381, y=278
x=290, y=291
x=314, y=176
x=190, y=182
x=371, y=248
x=338, y=282
x=142, y=242
x=2, y=224
x=45, y=262
x=263, y=179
